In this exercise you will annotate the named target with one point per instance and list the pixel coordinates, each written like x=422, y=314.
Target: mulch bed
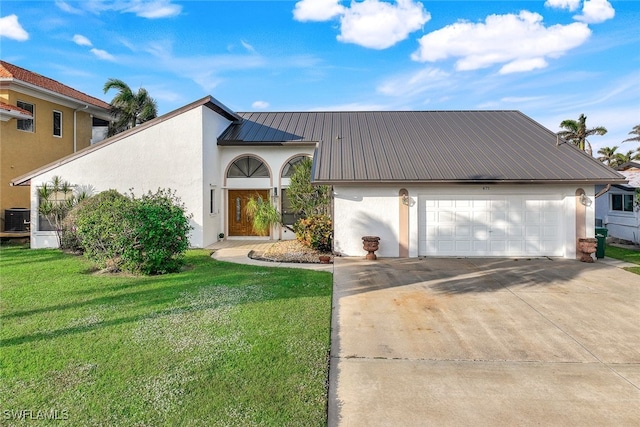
x=289, y=251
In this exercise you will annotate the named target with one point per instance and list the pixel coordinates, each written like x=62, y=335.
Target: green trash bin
x=601, y=236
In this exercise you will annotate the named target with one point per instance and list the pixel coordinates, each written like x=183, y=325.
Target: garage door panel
x=501, y=226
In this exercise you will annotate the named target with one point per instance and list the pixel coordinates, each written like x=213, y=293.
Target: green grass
x=218, y=344
x=623, y=254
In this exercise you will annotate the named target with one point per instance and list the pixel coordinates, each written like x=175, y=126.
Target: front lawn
x=624, y=254
x=218, y=344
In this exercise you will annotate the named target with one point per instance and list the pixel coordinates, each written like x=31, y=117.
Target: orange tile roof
x=8, y=107
x=8, y=71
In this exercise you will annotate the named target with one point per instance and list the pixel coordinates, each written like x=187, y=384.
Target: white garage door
x=471, y=226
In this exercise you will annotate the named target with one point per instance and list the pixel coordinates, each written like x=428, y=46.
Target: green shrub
x=315, y=231
x=103, y=227
x=161, y=231
x=148, y=235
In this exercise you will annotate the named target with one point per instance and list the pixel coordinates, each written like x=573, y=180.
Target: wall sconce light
x=585, y=200
x=406, y=200
x=275, y=191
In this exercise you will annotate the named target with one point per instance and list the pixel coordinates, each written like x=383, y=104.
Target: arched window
x=248, y=167
x=287, y=171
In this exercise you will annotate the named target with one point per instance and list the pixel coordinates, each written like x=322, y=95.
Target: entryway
x=239, y=222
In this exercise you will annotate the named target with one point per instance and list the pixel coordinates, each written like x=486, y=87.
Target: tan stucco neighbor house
x=428, y=183
x=41, y=120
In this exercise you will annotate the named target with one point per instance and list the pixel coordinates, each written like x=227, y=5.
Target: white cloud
x=66, y=7
x=379, y=25
x=595, y=11
x=150, y=9
x=260, y=105
x=102, y=54
x=409, y=84
x=247, y=46
x=317, y=10
x=374, y=24
x=11, y=28
x=520, y=42
x=521, y=65
x=153, y=9
x=81, y=40
x=563, y=4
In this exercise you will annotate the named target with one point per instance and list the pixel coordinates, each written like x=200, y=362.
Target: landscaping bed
x=290, y=251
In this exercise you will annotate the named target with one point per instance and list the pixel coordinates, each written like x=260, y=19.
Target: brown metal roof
x=13, y=72
x=424, y=146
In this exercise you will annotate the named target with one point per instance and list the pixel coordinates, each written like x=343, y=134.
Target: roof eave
x=469, y=181
x=100, y=108
x=240, y=143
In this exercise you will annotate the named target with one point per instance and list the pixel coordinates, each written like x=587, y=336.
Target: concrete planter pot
x=588, y=246
x=371, y=244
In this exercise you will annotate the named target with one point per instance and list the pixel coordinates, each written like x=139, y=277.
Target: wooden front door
x=239, y=222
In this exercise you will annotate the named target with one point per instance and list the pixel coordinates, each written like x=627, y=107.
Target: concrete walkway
x=486, y=342
x=237, y=251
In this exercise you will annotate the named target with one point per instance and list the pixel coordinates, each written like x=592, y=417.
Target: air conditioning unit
x=17, y=219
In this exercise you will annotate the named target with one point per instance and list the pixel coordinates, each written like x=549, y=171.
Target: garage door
x=498, y=226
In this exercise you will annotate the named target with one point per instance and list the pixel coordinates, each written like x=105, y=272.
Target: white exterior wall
x=374, y=210
x=212, y=172
x=169, y=154
x=275, y=157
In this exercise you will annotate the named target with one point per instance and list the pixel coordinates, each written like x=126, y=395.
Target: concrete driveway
x=460, y=342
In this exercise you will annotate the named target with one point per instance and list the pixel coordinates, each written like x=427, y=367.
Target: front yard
x=624, y=254
x=218, y=344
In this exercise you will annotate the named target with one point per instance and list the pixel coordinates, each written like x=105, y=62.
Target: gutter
x=604, y=190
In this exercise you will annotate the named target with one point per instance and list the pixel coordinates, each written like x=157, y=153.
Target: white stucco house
x=428, y=183
x=617, y=209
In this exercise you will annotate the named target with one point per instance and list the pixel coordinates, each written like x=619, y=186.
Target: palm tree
x=629, y=156
x=128, y=108
x=576, y=132
x=634, y=131
x=607, y=155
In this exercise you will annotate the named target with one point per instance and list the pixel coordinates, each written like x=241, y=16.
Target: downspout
x=75, y=127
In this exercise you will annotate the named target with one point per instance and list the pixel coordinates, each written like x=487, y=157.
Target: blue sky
x=552, y=59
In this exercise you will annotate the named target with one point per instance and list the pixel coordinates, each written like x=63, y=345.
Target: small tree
x=263, y=214
x=304, y=197
x=57, y=198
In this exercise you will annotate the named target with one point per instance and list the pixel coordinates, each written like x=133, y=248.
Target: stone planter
x=370, y=244
x=587, y=246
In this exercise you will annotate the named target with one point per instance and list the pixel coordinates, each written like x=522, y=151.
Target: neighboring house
x=618, y=209
x=41, y=120
x=453, y=183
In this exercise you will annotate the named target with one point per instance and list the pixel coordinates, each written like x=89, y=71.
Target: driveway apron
x=487, y=342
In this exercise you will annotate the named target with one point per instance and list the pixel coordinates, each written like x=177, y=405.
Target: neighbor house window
x=57, y=123
x=26, y=125
x=622, y=202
